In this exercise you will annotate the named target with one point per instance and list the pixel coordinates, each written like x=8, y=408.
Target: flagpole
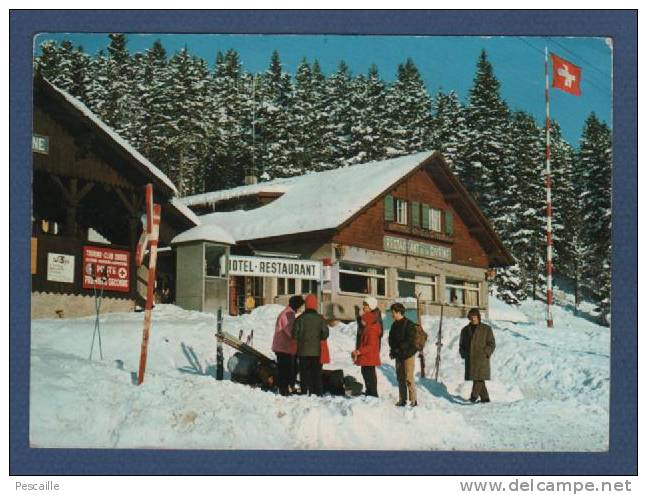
x=549, y=209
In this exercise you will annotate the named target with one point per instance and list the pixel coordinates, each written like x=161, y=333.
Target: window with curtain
x=462, y=292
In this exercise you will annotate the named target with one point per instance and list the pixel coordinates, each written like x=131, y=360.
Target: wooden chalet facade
x=421, y=234
x=88, y=200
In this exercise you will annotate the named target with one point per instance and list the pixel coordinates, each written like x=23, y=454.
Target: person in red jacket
x=367, y=355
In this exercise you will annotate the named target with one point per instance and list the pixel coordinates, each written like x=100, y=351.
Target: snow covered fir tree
x=205, y=123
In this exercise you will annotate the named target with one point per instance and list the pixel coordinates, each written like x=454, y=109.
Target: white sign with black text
x=60, y=267
x=258, y=266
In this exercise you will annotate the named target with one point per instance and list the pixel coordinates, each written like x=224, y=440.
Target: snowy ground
x=550, y=389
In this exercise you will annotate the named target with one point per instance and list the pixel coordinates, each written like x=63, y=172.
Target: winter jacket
x=369, y=348
x=325, y=352
x=402, y=339
x=283, y=340
x=309, y=330
x=476, y=346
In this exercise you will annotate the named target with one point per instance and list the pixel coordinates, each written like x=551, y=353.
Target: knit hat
x=311, y=302
x=371, y=302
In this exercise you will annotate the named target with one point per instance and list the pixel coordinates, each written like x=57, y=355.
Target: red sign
x=107, y=268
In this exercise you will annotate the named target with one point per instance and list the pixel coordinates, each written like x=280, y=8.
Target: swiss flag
x=566, y=76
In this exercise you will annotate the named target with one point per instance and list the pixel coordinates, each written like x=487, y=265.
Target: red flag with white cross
x=566, y=76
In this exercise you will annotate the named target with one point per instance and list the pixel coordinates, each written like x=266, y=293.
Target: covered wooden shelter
x=88, y=191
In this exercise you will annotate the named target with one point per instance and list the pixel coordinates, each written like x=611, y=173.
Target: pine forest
x=205, y=126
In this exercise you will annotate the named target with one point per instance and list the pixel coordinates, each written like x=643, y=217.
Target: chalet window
x=462, y=292
x=415, y=214
x=434, y=219
x=362, y=279
x=411, y=284
x=286, y=286
x=214, y=257
x=309, y=286
x=389, y=215
x=449, y=223
x=401, y=211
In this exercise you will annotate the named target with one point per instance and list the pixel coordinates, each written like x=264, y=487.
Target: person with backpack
x=476, y=346
x=285, y=347
x=402, y=343
x=367, y=354
x=310, y=330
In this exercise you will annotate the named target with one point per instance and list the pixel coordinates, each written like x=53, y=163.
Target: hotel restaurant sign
x=417, y=248
x=257, y=266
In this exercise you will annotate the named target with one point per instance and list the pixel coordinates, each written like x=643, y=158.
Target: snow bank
x=501, y=311
x=550, y=389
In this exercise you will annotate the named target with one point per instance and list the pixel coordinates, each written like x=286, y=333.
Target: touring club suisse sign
x=416, y=248
x=255, y=266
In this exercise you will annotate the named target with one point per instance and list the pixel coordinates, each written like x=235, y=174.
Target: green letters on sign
x=449, y=223
x=388, y=208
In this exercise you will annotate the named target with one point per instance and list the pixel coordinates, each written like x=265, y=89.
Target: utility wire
x=580, y=57
x=588, y=79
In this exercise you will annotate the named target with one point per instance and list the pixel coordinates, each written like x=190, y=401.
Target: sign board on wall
x=107, y=268
x=60, y=267
x=417, y=248
x=257, y=266
x=40, y=144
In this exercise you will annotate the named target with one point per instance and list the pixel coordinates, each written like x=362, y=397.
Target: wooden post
x=153, y=222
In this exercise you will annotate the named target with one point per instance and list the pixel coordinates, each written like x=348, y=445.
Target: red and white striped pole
x=549, y=210
x=150, y=238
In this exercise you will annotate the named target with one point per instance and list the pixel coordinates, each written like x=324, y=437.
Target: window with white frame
x=462, y=292
x=286, y=286
x=401, y=211
x=434, y=219
x=362, y=279
x=411, y=284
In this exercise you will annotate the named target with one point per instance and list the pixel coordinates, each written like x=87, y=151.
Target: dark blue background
x=622, y=457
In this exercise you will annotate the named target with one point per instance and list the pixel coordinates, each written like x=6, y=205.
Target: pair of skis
x=439, y=341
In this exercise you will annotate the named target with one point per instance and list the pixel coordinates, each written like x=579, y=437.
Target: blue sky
x=445, y=62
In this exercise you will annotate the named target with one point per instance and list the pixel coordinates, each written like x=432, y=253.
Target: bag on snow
x=333, y=382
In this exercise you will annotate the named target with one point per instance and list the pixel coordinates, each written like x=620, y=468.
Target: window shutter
x=415, y=214
x=449, y=223
x=388, y=208
x=425, y=216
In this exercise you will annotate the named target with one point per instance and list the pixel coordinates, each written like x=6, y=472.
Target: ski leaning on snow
x=439, y=344
x=231, y=341
x=421, y=354
x=220, y=364
x=149, y=238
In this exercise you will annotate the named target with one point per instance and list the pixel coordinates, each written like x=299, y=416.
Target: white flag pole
x=549, y=209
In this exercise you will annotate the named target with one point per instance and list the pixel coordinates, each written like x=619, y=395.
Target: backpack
x=420, y=338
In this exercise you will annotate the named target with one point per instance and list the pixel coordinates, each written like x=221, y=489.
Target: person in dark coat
x=310, y=329
x=403, y=349
x=367, y=354
x=285, y=346
x=476, y=347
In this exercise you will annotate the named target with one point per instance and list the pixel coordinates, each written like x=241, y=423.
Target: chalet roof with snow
x=328, y=200
x=135, y=165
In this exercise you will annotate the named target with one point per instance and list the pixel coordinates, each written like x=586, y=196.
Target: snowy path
x=550, y=390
